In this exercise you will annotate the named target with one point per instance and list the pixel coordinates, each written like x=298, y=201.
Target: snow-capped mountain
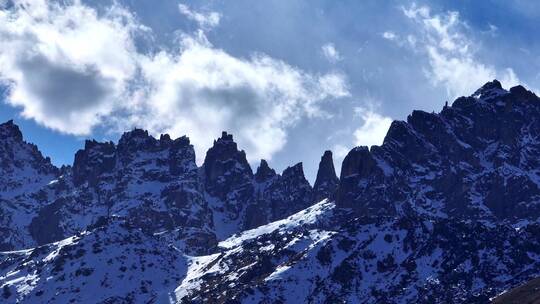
x=444, y=211
x=154, y=184
x=476, y=160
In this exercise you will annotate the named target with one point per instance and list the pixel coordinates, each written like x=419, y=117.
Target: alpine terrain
x=446, y=210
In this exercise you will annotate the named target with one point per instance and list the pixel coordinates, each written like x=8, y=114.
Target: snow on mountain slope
x=322, y=256
x=308, y=216
x=110, y=264
x=294, y=234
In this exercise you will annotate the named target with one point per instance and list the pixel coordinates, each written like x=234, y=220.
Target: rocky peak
x=22, y=165
x=181, y=155
x=225, y=148
x=489, y=90
x=264, y=172
x=10, y=130
x=358, y=161
x=95, y=159
x=288, y=193
x=135, y=141
x=14, y=151
x=225, y=167
x=520, y=92
x=294, y=172
x=327, y=180
x=225, y=137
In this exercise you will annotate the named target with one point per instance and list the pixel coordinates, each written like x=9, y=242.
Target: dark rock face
x=243, y=200
x=475, y=159
x=11, y=130
x=95, y=160
x=444, y=211
x=228, y=179
x=23, y=169
x=288, y=194
x=226, y=168
x=46, y=226
x=327, y=181
x=264, y=172
x=154, y=184
x=278, y=196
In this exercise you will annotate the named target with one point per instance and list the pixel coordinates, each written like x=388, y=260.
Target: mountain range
x=446, y=210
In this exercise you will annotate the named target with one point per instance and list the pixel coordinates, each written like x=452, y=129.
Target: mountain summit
x=446, y=210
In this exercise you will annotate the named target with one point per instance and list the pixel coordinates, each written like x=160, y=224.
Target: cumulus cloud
x=451, y=53
x=71, y=69
x=331, y=53
x=373, y=129
x=65, y=66
x=205, y=21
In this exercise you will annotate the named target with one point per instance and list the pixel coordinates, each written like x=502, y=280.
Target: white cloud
x=205, y=90
x=65, y=66
x=373, y=129
x=389, y=35
x=330, y=52
x=70, y=69
x=451, y=53
x=340, y=151
x=206, y=21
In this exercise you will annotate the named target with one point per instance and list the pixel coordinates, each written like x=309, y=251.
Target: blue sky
x=289, y=79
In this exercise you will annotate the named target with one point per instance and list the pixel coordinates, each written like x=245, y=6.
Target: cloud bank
x=72, y=69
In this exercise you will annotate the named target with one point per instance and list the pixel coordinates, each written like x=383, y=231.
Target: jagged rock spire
x=327, y=180
x=264, y=172
x=224, y=159
x=296, y=171
x=11, y=130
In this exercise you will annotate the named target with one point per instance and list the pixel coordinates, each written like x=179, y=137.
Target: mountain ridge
x=446, y=210
x=106, y=177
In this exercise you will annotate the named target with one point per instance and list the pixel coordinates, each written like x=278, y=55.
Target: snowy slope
x=111, y=264
x=315, y=256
